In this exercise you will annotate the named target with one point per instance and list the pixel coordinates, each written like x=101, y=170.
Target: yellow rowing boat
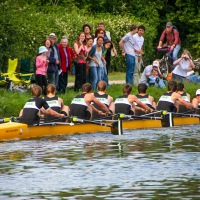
x=14, y=130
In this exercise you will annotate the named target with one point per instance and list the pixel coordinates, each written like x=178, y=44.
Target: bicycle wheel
x=164, y=67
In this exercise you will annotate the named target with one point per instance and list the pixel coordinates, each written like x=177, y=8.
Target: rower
x=55, y=103
x=125, y=103
x=196, y=102
x=81, y=106
x=103, y=98
x=30, y=114
x=171, y=100
x=144, y=98
x=185, y=96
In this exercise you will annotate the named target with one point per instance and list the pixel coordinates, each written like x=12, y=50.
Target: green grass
x=12, y=102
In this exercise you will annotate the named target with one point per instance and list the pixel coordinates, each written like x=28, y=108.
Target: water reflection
x=146, y=164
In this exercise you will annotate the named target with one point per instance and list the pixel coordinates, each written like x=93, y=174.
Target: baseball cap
x=198, y=92
x=169, y=24
x=52, y=35
x=155, y=63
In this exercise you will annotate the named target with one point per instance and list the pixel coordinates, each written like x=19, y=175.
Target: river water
x=141, y=164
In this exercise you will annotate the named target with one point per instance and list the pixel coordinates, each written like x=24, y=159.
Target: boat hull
x=14, y=130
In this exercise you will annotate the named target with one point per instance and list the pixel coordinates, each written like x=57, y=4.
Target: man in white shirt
x=138, y=43
x=147, y=71
x=127, y=46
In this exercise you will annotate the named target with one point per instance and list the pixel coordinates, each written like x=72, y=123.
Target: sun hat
x=198, y=92
x=52, y=35
x=42, y=49
x=155, y=63
x=169, y=24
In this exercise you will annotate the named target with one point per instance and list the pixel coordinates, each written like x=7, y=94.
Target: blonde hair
x=187, y=52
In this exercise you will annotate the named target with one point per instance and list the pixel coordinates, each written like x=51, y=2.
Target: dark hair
x=180, y=87
x=101, y=23
x=142, y=88
x=133, y=27
x=100, y=37
x=141, y=27
x=86, y=25
x=172, y=85
x=87, y=87
x=127, y=89
x=108, y=41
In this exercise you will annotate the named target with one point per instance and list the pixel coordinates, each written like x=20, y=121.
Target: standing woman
x=80, y=65
x=41, y=68
x=96, y=62
x=89, y=43
x=51, y=71
x=182, y=66
x=87, y=31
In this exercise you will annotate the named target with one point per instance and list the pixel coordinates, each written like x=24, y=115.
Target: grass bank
x=12, y=102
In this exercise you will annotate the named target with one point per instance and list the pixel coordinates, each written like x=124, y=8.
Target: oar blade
x=116, y=128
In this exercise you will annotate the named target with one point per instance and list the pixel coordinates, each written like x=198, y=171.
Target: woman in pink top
x=41, y=68
x=80, y=62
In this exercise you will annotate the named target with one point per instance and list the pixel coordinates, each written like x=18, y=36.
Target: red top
x=171, y=37
x=70, y=55
x=81, y=57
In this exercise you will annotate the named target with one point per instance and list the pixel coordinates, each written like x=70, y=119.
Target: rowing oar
x=116, y=127
x=121, y=115
x=186, y=115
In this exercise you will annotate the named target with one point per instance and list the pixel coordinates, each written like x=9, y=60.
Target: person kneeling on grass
x=81, y=106
x=55, y=103
x=30, y=114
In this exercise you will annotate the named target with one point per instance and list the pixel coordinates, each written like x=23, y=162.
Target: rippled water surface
x=142, y=164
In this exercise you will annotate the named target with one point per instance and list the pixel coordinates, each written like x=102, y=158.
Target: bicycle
x=165, y=61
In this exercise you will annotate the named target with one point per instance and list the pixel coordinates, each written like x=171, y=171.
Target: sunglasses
x=198, y=95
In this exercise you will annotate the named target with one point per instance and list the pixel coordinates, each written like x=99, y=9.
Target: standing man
x=109, y=53
x=56, y=55
x=171, y=35
x=127, y=46
x=138, y=44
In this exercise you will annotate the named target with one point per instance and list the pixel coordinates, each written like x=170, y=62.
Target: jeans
x=63, y=80
x=174, y=53
x=51, y=78
x=105, y=75
x=95, y=75
x=178, y=78
x=194, y=78
x=130, y=65
x=136, y=75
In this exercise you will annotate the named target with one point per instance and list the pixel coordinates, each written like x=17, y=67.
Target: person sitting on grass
x=171, y=100
x=125, y=103
x=103, y=98
x=196, y=102
x=81, y=106
x=155, y=80
x=144, y=98
x=31, y=112
x=55, y=103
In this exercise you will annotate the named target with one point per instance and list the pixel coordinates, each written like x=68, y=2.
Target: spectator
x=41, y=68
x=138, y=44
x=80, y=61
x=171, y=35
x=98, y=33
x=89, y=44
x=66, y=56
x=155, y=80
x=87, y=30
x=96, y=62
x=192, y=77
x=52, y=68
x=148, y=69
x=56, y=55
x=127, y=46
x=110, y=52
x=183, y=65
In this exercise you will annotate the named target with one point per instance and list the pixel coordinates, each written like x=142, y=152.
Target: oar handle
x=121, y=115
